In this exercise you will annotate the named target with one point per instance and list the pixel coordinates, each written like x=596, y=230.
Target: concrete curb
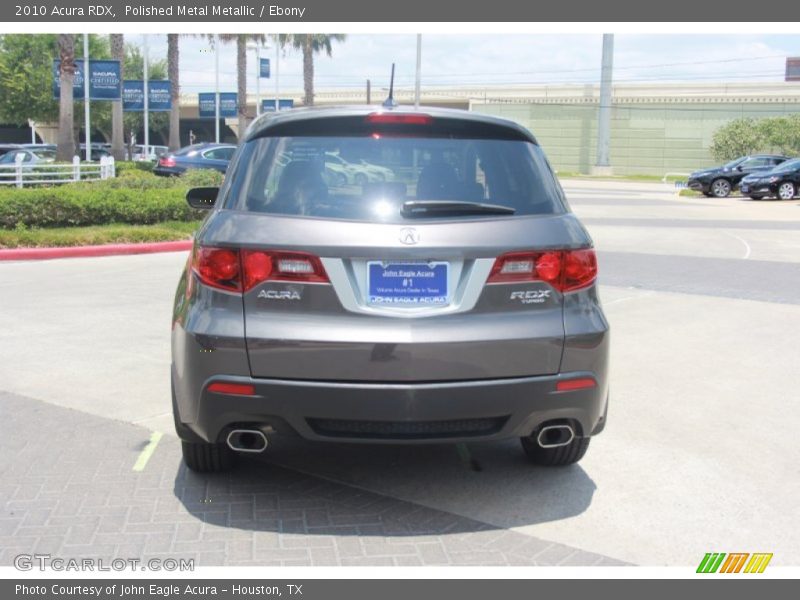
x=91, y=251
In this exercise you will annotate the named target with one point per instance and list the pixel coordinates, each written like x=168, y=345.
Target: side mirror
x=202, y=198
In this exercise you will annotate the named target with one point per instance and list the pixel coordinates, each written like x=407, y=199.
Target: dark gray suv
x=454, y=301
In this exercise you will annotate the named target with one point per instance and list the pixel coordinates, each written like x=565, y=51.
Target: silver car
x=454, y=302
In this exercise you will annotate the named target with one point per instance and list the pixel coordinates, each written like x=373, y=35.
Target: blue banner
x=158, y=92
x=104, y=80
x=263, y=68
x=268, y=104
x=227, y=105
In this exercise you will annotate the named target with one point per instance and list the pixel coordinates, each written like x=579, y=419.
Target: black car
x=782, y=182
x=720, y=181
x=198, y=156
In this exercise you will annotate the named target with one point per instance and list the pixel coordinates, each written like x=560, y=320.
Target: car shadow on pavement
x=325, y=489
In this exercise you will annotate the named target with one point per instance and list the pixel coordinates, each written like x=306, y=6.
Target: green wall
x=646, y=138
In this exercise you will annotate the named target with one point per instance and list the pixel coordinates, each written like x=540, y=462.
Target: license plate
x=407, y=283
x=745, y=188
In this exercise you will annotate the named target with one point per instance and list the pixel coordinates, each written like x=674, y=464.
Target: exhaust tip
x=247, y=440
x=554, y=436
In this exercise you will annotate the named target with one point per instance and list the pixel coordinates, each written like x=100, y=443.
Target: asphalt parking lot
x=699, y=454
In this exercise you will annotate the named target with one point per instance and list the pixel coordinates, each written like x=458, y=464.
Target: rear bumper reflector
x=569, y=385
x=234, y=389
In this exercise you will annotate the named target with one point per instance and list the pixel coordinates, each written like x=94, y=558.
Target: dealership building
x=655, y=128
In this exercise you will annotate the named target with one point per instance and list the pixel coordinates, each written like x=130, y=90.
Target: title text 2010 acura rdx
x=454, y=302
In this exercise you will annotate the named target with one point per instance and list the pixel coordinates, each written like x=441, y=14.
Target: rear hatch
x=428, y=250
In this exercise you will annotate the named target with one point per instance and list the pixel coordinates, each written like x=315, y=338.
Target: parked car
x=29, y=156
x=4, y=148
x=343, y=172
x=153, y=153
x=458, y=305
x=720, y=181
x=97, y=152
x=782, y=182
x=198, y=156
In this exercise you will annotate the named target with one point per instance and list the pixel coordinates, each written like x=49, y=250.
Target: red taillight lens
x=569, y=385
x=235, y=389
x=580, y=269
x=260, y=266
x=166, y=161
x=566, y=270
x=388, y=118
x=218, y=267
x=239, y=271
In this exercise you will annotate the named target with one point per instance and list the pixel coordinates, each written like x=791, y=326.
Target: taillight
x=241, y=270
x=389, y=118
x=166, y=161
x=261, y=265
x=565, y=270
x=218, y=267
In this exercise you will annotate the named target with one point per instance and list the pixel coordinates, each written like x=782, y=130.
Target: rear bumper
x=405, y=413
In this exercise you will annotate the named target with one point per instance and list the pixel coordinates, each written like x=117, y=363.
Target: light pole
x=146, y=73
x=86, y=110
x=603, y=163
x=419, y=71
x=277, y=73
x=216, y=88
x=257, y=47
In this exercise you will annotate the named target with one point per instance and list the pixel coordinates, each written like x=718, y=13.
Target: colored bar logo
x=735, y=562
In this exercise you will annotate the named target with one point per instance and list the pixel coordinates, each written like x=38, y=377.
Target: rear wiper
x=435, y=208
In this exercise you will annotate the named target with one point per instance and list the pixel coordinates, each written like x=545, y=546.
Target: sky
x=479, y=60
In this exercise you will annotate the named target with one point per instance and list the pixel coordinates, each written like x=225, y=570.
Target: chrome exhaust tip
x=554, y=436
x=247, y=440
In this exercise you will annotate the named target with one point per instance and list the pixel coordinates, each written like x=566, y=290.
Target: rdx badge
x=530, y=296
x=279, y=294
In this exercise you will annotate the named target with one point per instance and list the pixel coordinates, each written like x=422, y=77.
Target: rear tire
x=555, y=457
x=786, y=191
x=208, y=458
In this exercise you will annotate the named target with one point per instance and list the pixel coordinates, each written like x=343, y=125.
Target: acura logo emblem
x=409, y=236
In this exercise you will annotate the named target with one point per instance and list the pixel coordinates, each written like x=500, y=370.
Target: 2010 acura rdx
x=456, y=301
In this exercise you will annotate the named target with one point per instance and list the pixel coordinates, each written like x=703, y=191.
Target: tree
x=117, y=133
x=26, y=80
x=310, y=44
x=241, y=40
x=782, y=134
x=173, y=74
x=737, y=138
x=748, y=136
x=65, y=148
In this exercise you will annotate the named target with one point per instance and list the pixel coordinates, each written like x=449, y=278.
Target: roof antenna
x=390, y=102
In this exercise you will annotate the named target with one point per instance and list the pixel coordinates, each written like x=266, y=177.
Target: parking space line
x=748, y=250
x=147, y=452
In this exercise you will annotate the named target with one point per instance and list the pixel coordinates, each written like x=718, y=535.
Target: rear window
x=369, y=178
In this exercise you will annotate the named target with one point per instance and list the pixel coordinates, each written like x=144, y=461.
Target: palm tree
x=65, y=148
x=310, y=44
x=173, y=72
x=241, y=40
x=117, y=128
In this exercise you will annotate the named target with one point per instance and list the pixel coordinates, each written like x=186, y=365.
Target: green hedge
x=126, y=166
x=74, y=205
x=135, y=197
